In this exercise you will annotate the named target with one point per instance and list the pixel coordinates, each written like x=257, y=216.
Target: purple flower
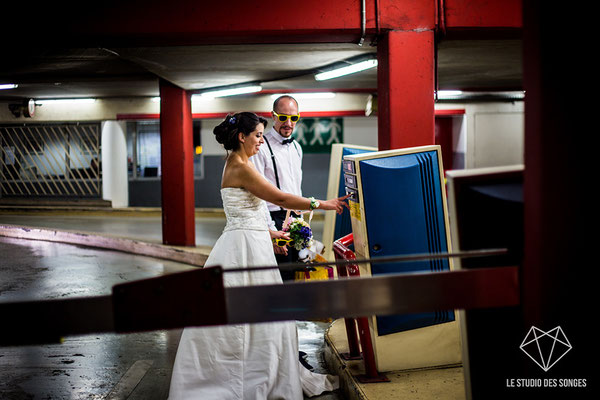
x=304, y=231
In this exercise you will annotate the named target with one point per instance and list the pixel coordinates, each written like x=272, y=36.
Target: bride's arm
x=256, y=184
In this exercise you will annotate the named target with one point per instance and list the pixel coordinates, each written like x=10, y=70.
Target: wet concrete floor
x=107, y=366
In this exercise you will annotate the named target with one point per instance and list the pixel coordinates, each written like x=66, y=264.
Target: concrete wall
x=488, y=134
x=146, y=192
x=357, y=130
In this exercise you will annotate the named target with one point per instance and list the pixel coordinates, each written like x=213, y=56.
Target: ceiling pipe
x=439, y=33
x=442, y=17
x=363, y=24
x=377, y=17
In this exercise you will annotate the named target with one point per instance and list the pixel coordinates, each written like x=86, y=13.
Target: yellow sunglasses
x=284, y=117
x=282, y=242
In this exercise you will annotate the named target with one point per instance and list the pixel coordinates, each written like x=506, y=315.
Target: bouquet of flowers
x=300, y=233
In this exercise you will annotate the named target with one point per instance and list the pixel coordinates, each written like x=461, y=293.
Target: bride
x=250, y=361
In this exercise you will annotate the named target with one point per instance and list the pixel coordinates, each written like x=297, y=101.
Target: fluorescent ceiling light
x=460, y=95
x=5, y=86
x=519, y=94
x=350, y=69
x=65, y=101
x=446, y=94
x=308, y=95
x=155, y=99
x=231, y=92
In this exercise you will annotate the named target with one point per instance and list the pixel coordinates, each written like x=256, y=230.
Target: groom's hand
x=280, y=250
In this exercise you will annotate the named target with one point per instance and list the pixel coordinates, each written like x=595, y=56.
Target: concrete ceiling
x=132, y=72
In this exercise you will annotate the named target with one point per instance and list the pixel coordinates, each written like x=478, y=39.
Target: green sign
x=316, y=135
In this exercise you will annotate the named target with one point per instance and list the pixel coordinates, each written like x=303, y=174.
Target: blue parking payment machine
x=398, y=207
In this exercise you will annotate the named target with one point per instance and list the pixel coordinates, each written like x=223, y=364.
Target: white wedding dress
x=250, y=361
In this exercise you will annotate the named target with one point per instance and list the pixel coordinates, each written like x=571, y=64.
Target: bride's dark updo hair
x=227, y=131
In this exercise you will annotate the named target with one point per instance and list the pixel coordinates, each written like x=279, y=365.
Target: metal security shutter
x=50, y=161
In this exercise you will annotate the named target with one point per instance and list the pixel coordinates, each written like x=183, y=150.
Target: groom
x=279, y=160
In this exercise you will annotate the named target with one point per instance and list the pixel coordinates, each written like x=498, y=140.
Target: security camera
x=15, y=109
x=26, y=107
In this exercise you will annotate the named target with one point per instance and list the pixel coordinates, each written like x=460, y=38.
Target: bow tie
x=287, y=141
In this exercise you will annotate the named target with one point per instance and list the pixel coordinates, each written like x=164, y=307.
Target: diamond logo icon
x=546, y=348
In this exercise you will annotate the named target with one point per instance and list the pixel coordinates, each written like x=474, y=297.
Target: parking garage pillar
x=405, y=87
x=177, y=154
x=560, y=189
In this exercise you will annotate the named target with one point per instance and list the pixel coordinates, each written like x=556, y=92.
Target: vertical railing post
x=353, y=346
x=371, y=375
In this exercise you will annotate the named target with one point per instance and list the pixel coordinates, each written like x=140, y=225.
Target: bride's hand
x=280, y=235
x=335, y=204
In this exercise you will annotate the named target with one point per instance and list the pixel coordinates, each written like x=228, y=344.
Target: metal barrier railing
x=148, y=304
x=342, y=252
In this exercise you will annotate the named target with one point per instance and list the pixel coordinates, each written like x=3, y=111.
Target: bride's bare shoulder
x=238, y=166
x=238, y=173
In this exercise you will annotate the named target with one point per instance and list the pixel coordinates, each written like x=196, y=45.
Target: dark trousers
x=292, y=256
x=287, y=274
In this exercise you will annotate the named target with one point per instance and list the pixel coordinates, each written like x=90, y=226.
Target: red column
x=177, y=154
x=405, y=86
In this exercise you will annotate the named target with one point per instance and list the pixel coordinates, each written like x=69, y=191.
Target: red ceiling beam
x=266, y=114
x=404, y=15
x=191, y=22
x=480, y=19
x=483, y=13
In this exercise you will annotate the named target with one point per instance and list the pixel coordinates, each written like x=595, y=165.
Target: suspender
x=273, y=158
x=274, y=163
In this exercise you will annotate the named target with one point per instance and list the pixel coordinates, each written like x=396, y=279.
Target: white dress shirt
x=288, y=158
